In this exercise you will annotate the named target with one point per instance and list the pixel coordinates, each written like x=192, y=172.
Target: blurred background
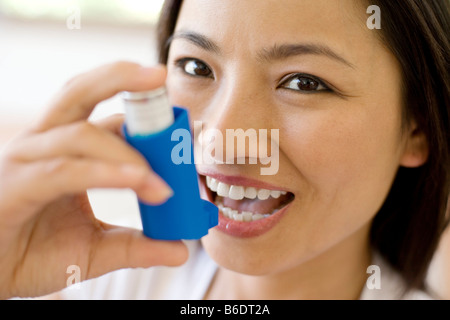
x=44, y=43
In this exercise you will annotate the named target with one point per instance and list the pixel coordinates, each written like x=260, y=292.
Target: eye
x=194, y=67
x=303, y=83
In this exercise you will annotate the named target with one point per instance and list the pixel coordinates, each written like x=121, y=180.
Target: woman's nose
x=239, y=126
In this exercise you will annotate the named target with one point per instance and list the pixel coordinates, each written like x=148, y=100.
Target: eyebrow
x=195, y=38
x=284, y=51
x=277, y=52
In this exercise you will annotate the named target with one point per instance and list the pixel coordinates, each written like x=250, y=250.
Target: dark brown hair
x=407, y=229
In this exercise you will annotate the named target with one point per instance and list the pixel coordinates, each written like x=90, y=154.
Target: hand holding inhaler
x=150, y=125
x=46, y=223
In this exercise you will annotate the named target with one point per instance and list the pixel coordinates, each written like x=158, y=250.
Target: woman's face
x=314, y=71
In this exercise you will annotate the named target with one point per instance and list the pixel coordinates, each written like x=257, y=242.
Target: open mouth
x=247, y=203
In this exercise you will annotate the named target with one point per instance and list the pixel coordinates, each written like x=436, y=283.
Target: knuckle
x=14, y=149
x=83, y=129
x=11, y=154
x=6, y=167
x=56, y=166
x=72, y=81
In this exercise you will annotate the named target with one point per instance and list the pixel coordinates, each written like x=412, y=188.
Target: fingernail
x=159, y=188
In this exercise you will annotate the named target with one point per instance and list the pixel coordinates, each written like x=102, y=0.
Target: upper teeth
x=240, y=192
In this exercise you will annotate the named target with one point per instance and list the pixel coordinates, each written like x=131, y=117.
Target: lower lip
x=252, y=228
x=244, y=229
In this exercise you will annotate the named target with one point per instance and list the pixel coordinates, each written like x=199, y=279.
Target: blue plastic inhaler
x=149, y=125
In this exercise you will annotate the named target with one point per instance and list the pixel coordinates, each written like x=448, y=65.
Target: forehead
x=252, y=24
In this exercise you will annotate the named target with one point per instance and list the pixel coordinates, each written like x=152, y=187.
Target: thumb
x=119, y=247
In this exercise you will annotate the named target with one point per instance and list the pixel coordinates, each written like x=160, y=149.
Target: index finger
x=79, y=97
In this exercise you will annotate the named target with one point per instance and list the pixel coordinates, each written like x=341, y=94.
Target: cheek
x=182, y=94
x=351, y=155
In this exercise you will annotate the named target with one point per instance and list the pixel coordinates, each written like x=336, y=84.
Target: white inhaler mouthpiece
x=147, y=112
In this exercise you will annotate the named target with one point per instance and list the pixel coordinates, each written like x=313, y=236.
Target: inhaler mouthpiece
x=147, y=112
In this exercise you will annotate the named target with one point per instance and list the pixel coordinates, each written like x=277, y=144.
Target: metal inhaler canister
x=150, y=122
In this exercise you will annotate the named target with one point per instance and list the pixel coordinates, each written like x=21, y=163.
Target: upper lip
x=241, y=181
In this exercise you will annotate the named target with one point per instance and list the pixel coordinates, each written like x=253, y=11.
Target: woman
x=361, y=190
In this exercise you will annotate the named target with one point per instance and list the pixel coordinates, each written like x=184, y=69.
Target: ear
x=415, y=152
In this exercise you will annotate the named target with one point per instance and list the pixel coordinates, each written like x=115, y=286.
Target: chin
x=241, y=256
